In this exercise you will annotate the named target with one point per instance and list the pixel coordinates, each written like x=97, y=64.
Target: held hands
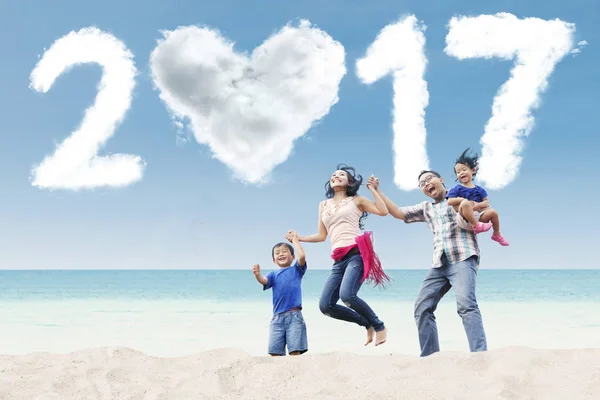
x=256, y=270
x=291, y=236
x=373, y=183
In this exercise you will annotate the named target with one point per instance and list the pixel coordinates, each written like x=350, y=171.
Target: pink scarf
x=373, y=271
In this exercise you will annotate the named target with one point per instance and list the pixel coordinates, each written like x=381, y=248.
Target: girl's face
x=464, y=173
x=339, y=179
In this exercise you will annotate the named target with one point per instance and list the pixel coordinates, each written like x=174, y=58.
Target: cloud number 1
x=399, y=49
x=75, y=164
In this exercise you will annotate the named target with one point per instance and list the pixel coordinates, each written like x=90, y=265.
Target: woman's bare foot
x=370, y=335
x=380, y=337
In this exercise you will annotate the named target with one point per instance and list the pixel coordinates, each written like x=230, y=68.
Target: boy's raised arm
x=299, y=250
x=261, y=279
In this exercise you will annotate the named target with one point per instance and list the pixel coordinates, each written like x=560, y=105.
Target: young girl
x=355, y=261
x=471, y=200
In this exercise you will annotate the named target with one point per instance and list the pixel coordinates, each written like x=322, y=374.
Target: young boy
x=287, y=325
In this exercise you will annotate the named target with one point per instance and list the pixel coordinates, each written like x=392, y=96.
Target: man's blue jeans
x=461, y=276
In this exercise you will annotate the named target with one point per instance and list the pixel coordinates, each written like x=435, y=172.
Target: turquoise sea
x=171, y=313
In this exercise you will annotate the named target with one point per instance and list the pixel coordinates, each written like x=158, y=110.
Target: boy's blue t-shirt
x=476, y=194
x=287, y=287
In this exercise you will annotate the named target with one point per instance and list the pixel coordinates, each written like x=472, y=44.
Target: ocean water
x=176, y=313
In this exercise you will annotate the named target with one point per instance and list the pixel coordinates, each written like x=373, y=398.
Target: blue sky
x=189, y=211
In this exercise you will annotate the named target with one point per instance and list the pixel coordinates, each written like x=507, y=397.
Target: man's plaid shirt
x=452, y=235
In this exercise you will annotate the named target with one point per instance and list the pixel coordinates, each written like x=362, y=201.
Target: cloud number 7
x=537, y=46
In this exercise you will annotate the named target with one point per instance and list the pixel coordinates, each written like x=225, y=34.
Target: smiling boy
x=287, y=326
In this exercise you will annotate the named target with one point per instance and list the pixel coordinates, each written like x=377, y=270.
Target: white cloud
x=75, y=164
x=537, y=46
x=581, y=44
x=399, y=49
x=249, y=109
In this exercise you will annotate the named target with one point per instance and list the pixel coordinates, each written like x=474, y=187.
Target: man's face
x=432, y=186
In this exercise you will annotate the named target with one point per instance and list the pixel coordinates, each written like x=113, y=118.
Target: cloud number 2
x=75, y=164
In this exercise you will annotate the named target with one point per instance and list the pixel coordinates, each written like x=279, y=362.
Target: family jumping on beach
x=455, y=217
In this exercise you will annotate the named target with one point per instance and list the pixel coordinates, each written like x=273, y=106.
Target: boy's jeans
x=461, y=276
x=343, y=283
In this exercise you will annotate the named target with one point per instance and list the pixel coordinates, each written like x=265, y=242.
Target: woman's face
x=339, y=179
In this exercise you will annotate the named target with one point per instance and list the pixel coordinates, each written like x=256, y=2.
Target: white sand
x=122, y=373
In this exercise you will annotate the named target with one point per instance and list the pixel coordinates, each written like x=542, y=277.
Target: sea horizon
x=181, y=312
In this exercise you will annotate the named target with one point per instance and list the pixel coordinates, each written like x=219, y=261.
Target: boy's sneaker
x=498, y=238
x=482, y=227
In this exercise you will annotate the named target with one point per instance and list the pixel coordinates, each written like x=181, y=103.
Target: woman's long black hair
x=354, y=182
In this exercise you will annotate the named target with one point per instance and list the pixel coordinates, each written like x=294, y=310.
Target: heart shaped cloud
x=249, y=109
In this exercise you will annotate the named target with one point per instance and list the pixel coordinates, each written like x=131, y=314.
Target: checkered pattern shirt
x=452, y=235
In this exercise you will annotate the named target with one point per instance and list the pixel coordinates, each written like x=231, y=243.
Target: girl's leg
x=351, y=283
x=466, y=211
x=491, y=215
x=331, y=294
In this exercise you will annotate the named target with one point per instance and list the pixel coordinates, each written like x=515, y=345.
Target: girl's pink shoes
x=482, y=227
x=486, y=226
x=498, y=238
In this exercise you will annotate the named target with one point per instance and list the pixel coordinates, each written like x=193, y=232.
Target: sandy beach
x=123, y=373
